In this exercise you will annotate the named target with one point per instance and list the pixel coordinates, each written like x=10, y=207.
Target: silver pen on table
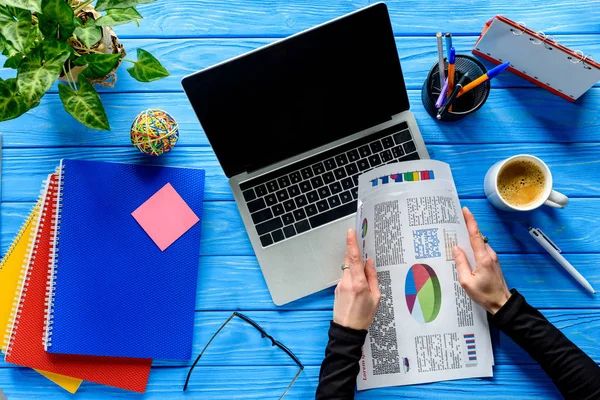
x=441, y=64
x=554, y=251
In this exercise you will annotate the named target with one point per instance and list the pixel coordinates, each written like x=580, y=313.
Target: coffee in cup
x=521, y=183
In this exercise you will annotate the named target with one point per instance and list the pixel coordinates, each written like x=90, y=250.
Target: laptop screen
x=300, y=93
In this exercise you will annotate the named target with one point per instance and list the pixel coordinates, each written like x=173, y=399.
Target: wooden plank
x=580, y=326
x=545, y=284
x=226, y=383
x=572, y=166
x=190, y=18
x=305, y=334
x=182, y=57
x=575, y=229
x=221, y=226
x=27, y=187
x=49, y=125
x=509, y=116
x=537, y=276
x=237, y=283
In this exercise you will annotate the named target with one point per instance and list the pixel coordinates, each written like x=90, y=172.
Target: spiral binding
x=22, y=230
x=32, y=230
x=514, y=32
x=550, y=43
x=587, y=66
x=53, y=261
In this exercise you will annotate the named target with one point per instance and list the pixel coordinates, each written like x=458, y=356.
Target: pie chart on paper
x=365, y=226
x=423, y=293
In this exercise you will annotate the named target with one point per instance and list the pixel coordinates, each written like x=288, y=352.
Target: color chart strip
x=471, y=349
x=414, y=176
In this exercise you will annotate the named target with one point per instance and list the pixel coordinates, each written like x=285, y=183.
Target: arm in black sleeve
x=573, y=372
x=339, y=369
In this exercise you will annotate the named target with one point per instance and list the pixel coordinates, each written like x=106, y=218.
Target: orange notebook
x=25, y=345
x=12, y=271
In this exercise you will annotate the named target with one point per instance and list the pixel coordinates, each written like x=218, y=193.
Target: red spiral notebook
x=26, y=346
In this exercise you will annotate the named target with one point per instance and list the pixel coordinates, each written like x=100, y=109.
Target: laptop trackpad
x=307, y=263
x=328, y=245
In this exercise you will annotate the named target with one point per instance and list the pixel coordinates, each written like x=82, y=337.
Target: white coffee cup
x=548, y=197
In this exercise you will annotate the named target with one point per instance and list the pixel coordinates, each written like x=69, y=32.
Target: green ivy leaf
x=17, y=29
x=13, y=57
x=12, y=104
x=35, y=5
x=7, y=49
x=55, y=50
x=112, y=4
x=40, y=68
x=56, y=17
x=84, y=104
x=147, y=68
x=118, y=16
x=98, y=65
x=89, y=34
x=13, y=62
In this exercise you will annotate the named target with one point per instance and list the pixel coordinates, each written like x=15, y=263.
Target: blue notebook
x=112, y=290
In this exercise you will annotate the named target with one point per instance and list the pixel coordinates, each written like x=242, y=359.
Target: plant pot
x=109, y=44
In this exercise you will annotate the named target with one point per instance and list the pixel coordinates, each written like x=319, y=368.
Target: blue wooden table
x=188, y=35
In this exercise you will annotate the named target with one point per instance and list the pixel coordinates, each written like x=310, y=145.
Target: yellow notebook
x=66, y=382
x=13, y=268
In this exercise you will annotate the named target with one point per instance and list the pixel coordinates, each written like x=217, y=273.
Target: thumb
x=462, y=266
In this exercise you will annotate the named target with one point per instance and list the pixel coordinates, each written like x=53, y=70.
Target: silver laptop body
x=307, y=261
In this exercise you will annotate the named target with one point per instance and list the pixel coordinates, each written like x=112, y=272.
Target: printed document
x=426, y=328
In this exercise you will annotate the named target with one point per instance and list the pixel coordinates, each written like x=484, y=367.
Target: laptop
x=293, y=124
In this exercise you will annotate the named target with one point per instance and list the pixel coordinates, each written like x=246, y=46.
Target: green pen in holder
x=465, y=104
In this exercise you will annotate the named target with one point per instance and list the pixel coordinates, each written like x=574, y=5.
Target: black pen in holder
x=465, y=104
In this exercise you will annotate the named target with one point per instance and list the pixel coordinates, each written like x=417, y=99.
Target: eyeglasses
x=264, y=334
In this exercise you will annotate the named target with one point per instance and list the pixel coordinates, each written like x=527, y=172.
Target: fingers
x=491, y=252
x=353, y=256
x=372, y=279
x=346, y=271
x=346, y=282
x=474, y=234
x=462, y=266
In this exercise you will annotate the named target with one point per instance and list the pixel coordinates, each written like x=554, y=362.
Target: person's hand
x=485, y=284
x=357, y=295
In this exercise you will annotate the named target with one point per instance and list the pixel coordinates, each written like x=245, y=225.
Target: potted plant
x=69, y=40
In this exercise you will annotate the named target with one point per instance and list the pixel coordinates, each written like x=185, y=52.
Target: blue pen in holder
x=465, y=104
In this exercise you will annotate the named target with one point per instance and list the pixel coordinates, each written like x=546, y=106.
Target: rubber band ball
x=154, y=132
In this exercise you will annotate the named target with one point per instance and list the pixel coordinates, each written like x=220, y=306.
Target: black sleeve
x=573, y=372
x=339, y=369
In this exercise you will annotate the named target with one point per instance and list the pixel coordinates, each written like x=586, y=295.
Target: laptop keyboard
x=320, y=189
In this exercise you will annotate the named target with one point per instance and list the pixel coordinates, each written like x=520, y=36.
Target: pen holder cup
x=465, y=104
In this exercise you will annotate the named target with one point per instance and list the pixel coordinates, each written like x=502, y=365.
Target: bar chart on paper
x=423, y=293
x=471, y=349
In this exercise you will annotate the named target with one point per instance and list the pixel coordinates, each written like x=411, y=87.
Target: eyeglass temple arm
x=187, y=380
x=292, y=383
x=263, y=334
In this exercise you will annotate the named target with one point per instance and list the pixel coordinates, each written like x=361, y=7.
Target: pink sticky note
x=165, y=216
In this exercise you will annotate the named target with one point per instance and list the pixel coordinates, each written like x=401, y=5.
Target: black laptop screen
x=300, y=93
